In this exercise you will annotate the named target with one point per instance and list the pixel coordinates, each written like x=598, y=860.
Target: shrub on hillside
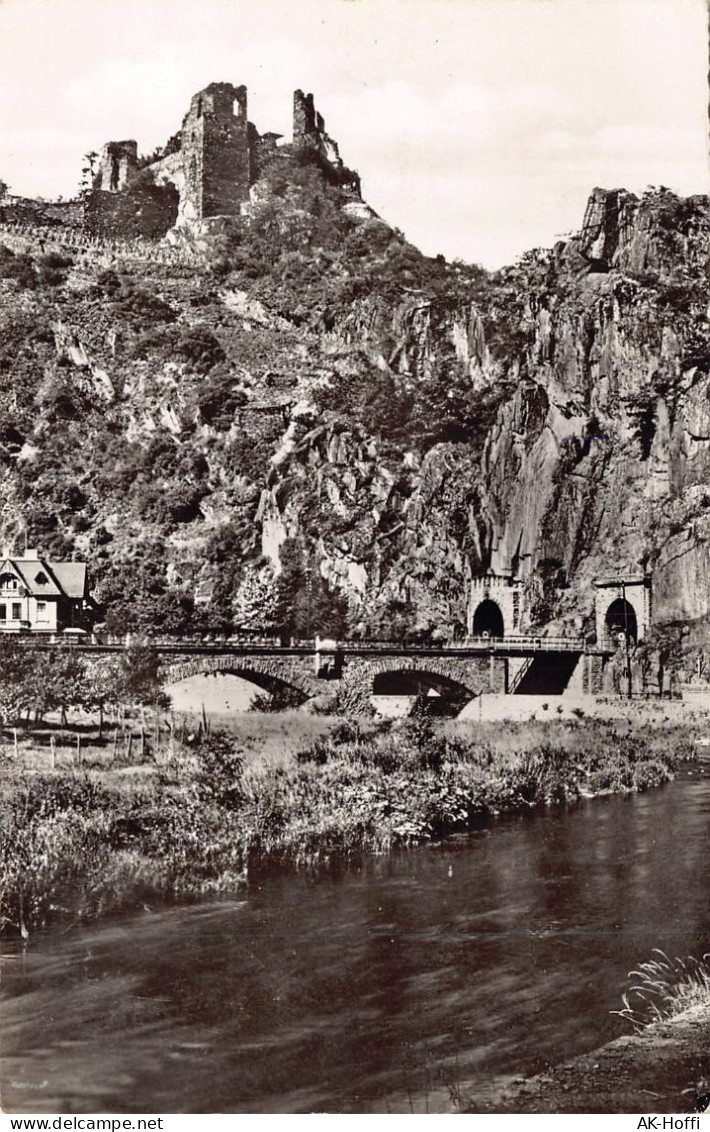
x=52, y=269
x=20, y=268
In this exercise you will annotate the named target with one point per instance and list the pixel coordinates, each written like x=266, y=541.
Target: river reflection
x=381, y=988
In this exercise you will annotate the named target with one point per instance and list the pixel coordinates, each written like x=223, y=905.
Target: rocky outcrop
x=599, y=461
x=319, y=388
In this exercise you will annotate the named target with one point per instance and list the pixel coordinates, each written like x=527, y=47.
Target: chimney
x=31, y=554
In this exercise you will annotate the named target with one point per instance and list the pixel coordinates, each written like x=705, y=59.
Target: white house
x=41, y=596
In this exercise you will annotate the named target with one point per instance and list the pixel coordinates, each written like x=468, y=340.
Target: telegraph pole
x=629, y=683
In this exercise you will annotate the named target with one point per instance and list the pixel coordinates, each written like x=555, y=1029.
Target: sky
x=479, y=127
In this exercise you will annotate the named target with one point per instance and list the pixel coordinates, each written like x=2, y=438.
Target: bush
x=21, y=268
x=52, y=269
x=664, y=987
x=220, y=767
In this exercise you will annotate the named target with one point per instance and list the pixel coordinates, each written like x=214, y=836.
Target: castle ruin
x=207, y=169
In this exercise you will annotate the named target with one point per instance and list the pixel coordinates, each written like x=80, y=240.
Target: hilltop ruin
x=207, y=169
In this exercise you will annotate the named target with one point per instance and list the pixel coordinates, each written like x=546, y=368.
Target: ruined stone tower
x=118, y=163
x=216, y=152
x=207, y=169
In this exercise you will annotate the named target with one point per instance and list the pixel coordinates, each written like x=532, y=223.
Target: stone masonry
x=211, y=163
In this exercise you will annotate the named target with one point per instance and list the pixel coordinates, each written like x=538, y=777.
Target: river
x=387, y=987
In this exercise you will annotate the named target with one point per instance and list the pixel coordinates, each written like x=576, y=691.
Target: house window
x=41, y=610
x=41, y=579
x=16, y=611
x=8, y=582
x=3, y=613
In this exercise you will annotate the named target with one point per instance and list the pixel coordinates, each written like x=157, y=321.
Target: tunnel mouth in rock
x=620, y=620
x=488, y=620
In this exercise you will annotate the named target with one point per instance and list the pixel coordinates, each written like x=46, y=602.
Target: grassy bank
x=664, y=987
x=85, y=842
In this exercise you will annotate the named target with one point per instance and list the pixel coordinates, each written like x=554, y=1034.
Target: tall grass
x=664, y=987
x=86, y=843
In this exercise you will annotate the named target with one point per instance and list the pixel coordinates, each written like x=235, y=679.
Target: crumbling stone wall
x=216, y=152
x=118, y=166
x=144, y=209
x=52, y=214
x=309, y=133
x=211, y=163
x=170, y=170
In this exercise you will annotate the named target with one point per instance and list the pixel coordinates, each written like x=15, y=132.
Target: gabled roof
x=28, y=569
x=9, y=566
x=66, y=579
x=71, y=577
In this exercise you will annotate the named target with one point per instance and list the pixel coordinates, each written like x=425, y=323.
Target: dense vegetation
x=130, y=437
x=82, y=842
x=314, y=427
x=35, y=681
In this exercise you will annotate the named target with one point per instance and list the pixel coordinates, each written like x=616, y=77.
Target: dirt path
x=665, y=1069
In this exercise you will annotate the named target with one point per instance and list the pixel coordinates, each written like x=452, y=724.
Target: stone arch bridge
x=308, y=673
x=360, y=671
x=465, y=674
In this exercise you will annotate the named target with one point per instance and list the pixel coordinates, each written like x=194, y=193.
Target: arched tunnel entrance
x=488, y=620
x=621, y=619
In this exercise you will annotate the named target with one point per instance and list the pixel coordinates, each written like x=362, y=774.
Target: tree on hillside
x=255, y=600
x=306, y=604
x=139, y=680
x=88, y=171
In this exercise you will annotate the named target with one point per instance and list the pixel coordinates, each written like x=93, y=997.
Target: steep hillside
x=309, y=424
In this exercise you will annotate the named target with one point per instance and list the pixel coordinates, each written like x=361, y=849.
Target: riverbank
x=663, y=1069
x=85, y=842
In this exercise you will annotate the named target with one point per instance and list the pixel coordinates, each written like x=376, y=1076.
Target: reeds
x=665, y=987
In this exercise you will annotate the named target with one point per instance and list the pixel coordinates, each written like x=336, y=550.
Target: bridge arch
x=488, y=619
x=470, y=676
x=403, y=681
x=272, y=675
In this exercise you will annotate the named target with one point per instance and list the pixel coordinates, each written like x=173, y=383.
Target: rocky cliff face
x=598, y=463
x=317, y=422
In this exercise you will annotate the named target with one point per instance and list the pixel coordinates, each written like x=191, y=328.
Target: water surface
x=387, y=987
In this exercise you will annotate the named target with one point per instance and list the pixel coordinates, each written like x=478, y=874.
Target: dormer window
x=41, y=579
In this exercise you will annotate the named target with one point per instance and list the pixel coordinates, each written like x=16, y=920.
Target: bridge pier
x=498, y=675
x=593, y=673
